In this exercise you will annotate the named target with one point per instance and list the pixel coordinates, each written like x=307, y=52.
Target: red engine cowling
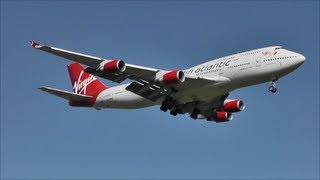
x=173, y=77
x=222, y=116
x=233, y=105
x=113, y=66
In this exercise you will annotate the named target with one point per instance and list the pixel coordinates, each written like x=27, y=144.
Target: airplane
x=200, y=91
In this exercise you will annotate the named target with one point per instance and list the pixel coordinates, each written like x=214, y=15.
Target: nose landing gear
x=273, y=87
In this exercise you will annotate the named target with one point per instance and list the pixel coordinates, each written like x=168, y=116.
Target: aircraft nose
x=301, y=58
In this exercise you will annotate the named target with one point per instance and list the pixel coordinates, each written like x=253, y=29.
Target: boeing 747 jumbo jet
x=201, y=91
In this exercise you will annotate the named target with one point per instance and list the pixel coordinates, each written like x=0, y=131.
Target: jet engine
x=111, y=66
x=233, y=105
x=173, y=77
x=222, y=116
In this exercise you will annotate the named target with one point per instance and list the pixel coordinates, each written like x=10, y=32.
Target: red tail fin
x=84, y=83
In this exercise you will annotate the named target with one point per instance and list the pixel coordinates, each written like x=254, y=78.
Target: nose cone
x=300, y=59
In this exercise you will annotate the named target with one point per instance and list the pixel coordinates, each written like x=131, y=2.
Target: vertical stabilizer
x=85, y=84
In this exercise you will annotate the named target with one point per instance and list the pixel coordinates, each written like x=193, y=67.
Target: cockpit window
x=278, y=48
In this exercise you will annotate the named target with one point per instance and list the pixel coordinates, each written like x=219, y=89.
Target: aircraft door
x=258, y=62
x=221, y=72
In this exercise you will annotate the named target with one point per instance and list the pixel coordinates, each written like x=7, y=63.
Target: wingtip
x=42, y=88
x=35, y=44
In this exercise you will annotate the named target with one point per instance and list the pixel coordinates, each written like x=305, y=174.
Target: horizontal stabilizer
x=65, y=94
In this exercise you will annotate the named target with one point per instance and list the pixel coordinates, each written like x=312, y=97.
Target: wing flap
x=147, y=90
x=153, y=90
x=65, y=94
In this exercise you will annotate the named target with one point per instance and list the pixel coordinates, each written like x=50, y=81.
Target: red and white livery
x=200, y=91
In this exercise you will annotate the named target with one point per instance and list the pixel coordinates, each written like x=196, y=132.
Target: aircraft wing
x=146, y=80
x=65, y=94
x=132, y=71
x=153, y=90
x=73, y=56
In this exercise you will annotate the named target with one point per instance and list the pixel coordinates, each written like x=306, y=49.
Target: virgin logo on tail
x=80, y=86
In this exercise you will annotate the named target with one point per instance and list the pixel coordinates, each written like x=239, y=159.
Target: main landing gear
x=163, y=108
x=195, y=113
x=167, y=104
x=273, y=87
x=173, y=112
x=170, y=104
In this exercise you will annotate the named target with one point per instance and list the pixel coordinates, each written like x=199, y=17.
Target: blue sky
x=276, y=137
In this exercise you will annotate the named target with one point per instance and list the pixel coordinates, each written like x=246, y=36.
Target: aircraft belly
x=129, y=101
x=122, y=99
x=201, y=94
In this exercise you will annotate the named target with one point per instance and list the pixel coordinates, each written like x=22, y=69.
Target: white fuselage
x=243, y=69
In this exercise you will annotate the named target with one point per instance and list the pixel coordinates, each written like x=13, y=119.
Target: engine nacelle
x=222, y=116
x=233, y=105
x=173, y=77
x=113, y=66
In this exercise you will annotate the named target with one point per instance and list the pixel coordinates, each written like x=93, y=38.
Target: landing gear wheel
x=195, y=113
x=163, y=108
x=173, y=112
x=179, y=111
x=194, y=116
x=169, y=107
x=272, y=89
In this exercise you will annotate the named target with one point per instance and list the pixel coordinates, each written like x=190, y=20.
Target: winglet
x=35, y=44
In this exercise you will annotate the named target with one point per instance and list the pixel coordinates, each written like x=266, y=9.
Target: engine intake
x=113, y=66
x=173, y=77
